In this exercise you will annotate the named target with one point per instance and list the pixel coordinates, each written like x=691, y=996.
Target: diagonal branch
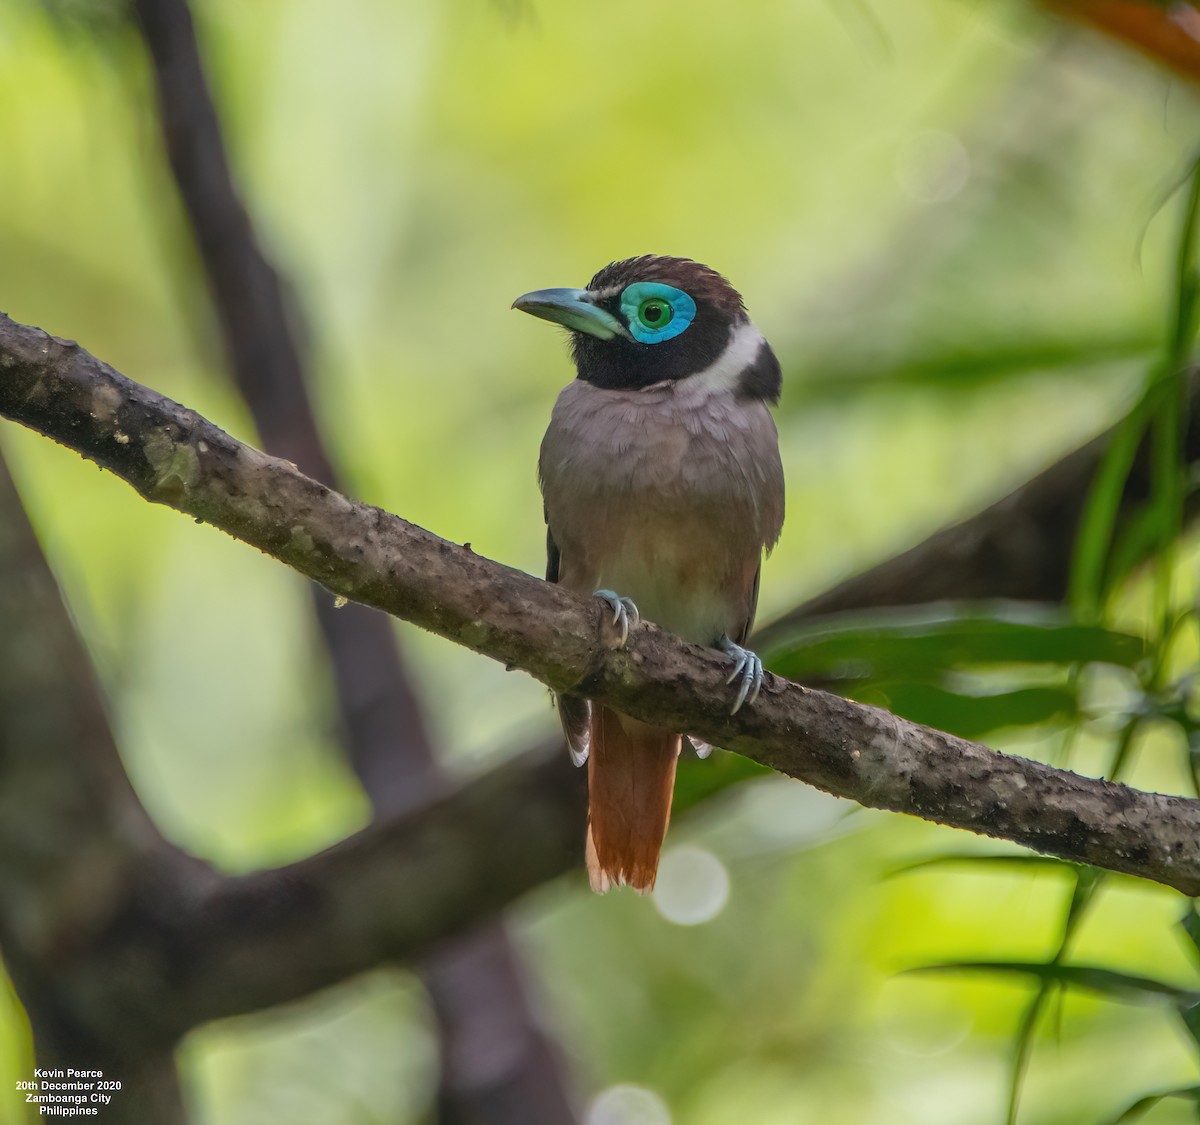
x=1017, y=548
x=390, y=892
x=173, y=456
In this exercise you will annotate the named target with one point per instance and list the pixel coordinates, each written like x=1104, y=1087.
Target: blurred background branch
x=497, y=1064
x=79, y=853
x=1019, y=548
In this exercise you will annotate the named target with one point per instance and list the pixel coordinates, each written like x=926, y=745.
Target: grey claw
x=625, y=613
x=748, y=668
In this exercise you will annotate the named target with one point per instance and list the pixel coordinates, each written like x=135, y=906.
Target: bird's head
x=656, y=319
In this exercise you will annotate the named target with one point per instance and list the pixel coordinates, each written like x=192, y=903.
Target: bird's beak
x=572, y=308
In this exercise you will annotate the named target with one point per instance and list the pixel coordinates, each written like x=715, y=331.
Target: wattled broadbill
x=662, y=485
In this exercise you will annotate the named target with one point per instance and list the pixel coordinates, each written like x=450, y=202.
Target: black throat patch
x=620, y=364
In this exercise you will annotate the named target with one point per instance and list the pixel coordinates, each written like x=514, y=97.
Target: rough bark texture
x=476, y=986
x=171, y=455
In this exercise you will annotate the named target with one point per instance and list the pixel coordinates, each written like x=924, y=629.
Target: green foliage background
x=943, y=214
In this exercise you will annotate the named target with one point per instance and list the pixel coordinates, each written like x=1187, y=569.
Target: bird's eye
x=655, y=312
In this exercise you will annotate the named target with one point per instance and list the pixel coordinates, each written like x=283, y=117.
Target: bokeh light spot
x=692, y=887
x=628, y=1105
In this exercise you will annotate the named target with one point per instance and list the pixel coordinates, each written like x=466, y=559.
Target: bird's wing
x=573, y=712
x=553, y=554
x=743, y=632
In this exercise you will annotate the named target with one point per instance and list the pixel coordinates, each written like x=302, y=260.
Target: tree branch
x=74, y=839
x=173, y=456
x=390, y=892
x=119, y=943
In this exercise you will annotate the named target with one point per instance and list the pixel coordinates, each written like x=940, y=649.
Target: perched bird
x=662, y=485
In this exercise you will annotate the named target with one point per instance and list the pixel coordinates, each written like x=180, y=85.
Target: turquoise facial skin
x=656, y=312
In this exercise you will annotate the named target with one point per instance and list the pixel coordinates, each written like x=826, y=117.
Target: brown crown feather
x=701, y=281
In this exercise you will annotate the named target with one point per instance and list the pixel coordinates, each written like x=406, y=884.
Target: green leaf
x=988, y=861
x=1023, y=1049
x=1123, y=987
x=1189, y=1013
x=1191, y=926
x=968, y=715
x=1160, y=409
x=1147, y=1103
x=924, y=643
x=1086, y=883
x=1090, y=571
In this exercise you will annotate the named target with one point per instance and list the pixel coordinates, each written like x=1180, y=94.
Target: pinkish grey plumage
x=668, y=495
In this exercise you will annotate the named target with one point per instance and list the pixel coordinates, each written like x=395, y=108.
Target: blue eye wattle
x=656, y=312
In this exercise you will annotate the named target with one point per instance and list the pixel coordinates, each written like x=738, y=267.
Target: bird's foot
x=624, y=612
x=747, y=668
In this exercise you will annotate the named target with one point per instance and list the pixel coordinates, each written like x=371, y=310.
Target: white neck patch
x=726, y=370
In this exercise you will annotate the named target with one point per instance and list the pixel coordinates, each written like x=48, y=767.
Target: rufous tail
x=631, y=777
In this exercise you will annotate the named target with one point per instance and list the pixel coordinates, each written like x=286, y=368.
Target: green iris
x=655, y=312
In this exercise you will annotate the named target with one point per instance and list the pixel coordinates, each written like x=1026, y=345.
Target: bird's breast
x=667, y=496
